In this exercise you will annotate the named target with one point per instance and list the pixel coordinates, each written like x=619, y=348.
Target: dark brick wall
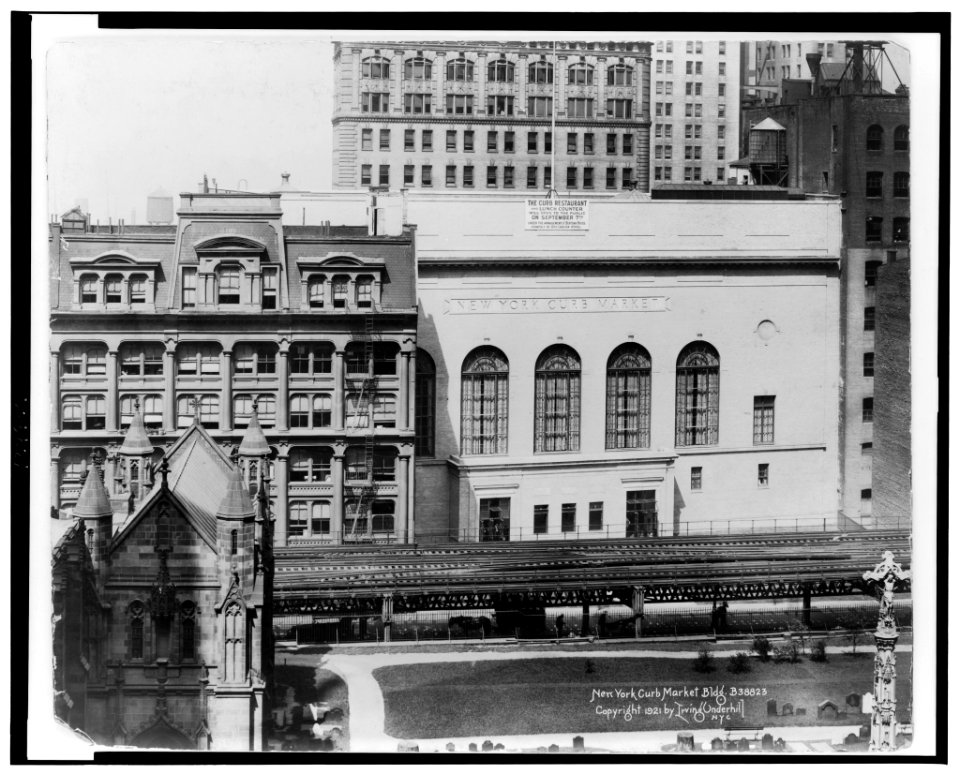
x=891, y=403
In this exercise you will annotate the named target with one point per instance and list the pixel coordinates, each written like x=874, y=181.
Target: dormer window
x=138, y=289
x=228, y=285
x=88, y=289
x=339, y=292
x=364, y=292
x=189, y=287
x=269, y=298
x=315, y=291
x=113, y=288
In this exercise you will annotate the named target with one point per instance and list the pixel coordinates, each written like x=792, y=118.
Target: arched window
x=875, y=138
x=141, y=360
x=188, y=631
x=198, y=360
x=135, y=613
x=310, y=410
x=901, y=138
x=84, y=360
x=88, y=289
x=255, y=359
x=376, y=67
x=311, y=358
x=484, y=402
x=541, y=72
x=243, y=410
x=228, y=285
x=426, y=396
x=460, y=70
x=580, y=74
x=500, y=71
x=698, y=395
x=619, y=75
x=901, y=183
x=310, y=464
x=417, y=69
x=113, y=289
x=628, y=398
x=151, y=407
x=315, y=290
x=207, y=405
x=556, y=424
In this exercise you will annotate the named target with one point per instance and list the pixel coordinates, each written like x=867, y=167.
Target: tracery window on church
x=484, y=402
x=628, y=398
x=557, y=402
x=698, y=395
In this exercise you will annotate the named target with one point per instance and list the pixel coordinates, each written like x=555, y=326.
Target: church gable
x=163, y=525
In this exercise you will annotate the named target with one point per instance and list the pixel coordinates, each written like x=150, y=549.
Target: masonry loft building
x=162, y=599
x=625, y=367
x=570, y=115
x=232, y=319
x=846, y=137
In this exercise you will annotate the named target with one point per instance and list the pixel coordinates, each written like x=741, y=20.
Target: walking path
x=367, y=716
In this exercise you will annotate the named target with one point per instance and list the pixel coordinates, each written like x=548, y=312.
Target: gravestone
x=853, y=701
x=451, y=747
x=487, y=746
x=743, y=745
x=685, y=741
x=407, y=747
x=554, y=748
x=498, y=746
x=771, y=707
x=851, y=739
x=472, y=747
x=578, y=744
x=787, y=709
x=766, y=742
x=827, y=710
x=716, y=743
x=779, y=745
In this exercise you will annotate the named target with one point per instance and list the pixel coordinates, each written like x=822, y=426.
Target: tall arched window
x=426, y=396
x=698, y=395
x=136, y=611
x=557, y=408
x=580, y=74
x=875, y=138
x=628, y=398
x=619, y=75
x=541, y=72
x=417, y=69
x=376, y=67
x=484, y=402
x=188, y=631
x=460, y=70
x=901, y=138
x=500, y=71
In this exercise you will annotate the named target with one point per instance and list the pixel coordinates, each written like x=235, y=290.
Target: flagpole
x=553, y=127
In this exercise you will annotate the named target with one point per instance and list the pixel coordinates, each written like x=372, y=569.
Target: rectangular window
x=269, y=295
x=698, y=68
x=366, y=139
x=384, y=174
x=426, y=176
x=696, y=479
x=620, y=108
x=189, y=287
x=868, y=364
x=870, y=273
x=866, y=447
x=626, y=176
x=468, y=177
x=541, y=515
x=611, y=177
x=499, y=105
x=588, y=177
x=491, y=177
x=720, y=173
x=547, y=142
x=531, y=177
x=611, y=144
x=384, y=139
x=627, y=144
x=508, y=177
x=689, y=68
x=547, y=177
x=596, y=516
x=571, y=177
x=568, y=517
x=869, y=318
x=874, y=187
x=532, y=142
x=572, y=142
x=763, y=475
x=763, y=419
x=492, y=142
x=508, y=142
x=669, y=67
x=426, y=140
x=452, y=140
x=451, y=176
x=539, y=107
x=408, y=174
x=460, y=104
x=468, y=141
x=579, y=108
x=409, y=139
x=416, y=103
x=868, y=409
x=901, y=229
x=722, y=68
x=374, y=102
x=722, y=90
x=721, y=152
x=642, y=513
x=366, y=171
x=494, y=519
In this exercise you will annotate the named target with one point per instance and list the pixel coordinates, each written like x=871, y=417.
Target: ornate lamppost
x=883, y=723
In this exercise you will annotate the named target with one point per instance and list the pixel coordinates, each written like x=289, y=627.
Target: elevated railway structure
x=387, y=580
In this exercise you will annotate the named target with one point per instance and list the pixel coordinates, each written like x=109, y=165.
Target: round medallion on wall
x=766, y=330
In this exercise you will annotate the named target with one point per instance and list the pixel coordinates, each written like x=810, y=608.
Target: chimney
x=813, y=62
x=285, y=177
x=856, y=68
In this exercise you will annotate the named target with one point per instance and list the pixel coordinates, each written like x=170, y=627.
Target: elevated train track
x=310, y=579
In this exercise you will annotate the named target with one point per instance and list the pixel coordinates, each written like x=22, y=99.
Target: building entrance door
x=642, y=513
x=494, y=519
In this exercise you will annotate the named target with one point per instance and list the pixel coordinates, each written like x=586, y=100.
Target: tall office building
x=569, y=115
x=696, y=110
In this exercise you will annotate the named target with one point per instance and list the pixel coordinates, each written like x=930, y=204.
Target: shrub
x=789, y=652
x=738, y=663
x=761, y=646
x=793, y=653
x=590, y=667
x=704, y=660
x=818, y=651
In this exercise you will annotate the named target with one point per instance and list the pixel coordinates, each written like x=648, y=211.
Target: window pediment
x=113, y=258
x=334, y=260
x=230, y=243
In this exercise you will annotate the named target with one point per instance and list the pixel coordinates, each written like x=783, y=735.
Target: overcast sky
x=129, y=116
